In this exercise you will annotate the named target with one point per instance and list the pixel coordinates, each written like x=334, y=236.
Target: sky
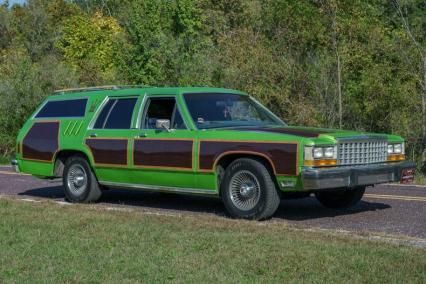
x=13, y=1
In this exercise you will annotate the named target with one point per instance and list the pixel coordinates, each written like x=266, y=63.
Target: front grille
x=362, y=152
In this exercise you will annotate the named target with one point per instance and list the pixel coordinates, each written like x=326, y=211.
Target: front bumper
x=353, y=176
x=15, y=166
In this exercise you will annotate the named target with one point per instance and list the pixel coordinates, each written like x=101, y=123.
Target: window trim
x=97, y=113
x=109, y=113
x=104, y=103
x=34, y=116
x=145, y=105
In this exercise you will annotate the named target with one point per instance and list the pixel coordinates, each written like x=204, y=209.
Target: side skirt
x=158, y=188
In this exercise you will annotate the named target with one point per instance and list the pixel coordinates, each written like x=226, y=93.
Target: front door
x=109, y=139
x=163, y=155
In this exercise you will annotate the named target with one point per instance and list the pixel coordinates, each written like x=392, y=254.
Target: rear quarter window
x=66, y=108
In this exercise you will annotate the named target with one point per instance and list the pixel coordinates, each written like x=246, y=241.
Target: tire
x=80, y=183
x=248, y=191
x=340, y=199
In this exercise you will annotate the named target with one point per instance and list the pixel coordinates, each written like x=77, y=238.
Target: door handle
x=141, y=135
x=93, y=135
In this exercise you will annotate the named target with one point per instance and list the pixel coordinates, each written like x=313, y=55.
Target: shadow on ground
x=292, y=210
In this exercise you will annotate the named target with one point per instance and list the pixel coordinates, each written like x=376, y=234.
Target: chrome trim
x=361, y=150
x=97, y=112
x=140, y=111
x=353, y=176
x=244, y=190
x=159, y=188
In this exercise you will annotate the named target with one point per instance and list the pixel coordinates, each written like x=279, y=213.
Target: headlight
x=397, y=148
x=396, y=152
x=318, y=153
x=319, y=156
x=329, y=152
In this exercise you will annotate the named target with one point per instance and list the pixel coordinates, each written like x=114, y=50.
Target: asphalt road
x=390, y=209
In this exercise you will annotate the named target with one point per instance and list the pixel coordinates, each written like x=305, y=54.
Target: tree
x=422, y=58
x=89, y=45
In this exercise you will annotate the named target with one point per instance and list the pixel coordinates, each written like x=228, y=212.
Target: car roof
x=137, y=90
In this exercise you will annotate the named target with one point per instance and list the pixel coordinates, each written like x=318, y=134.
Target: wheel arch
x=226, y=158
x=62, y=155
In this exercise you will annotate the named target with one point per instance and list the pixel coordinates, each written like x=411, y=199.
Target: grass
x=45, y=242
x=419, y=178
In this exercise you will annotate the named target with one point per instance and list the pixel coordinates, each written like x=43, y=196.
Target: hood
x=309, y=132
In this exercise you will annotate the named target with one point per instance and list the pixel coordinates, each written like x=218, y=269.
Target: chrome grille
x=362, y=152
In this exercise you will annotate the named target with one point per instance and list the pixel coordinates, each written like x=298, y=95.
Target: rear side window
x=117, y=114
x=67, y=108
x=103, y=115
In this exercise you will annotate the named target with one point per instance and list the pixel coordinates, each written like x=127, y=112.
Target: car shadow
x=309, y=208
x=292, y=210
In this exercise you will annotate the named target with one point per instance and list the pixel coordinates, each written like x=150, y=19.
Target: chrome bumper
x=353, y=176
x=15, y=166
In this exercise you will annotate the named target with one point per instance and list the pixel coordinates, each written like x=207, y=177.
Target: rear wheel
x=248, y=190
x=340, y=199
x=80, y=184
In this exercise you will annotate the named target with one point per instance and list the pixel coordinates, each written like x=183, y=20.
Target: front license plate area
x=375, y=179
x=407, y=175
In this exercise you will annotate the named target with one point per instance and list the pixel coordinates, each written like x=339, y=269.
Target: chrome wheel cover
x=244, y=190
x=77, y=179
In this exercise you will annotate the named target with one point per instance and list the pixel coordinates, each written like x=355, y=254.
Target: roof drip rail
x=96, y=88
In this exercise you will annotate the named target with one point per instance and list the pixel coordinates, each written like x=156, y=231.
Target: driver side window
x=162, y=108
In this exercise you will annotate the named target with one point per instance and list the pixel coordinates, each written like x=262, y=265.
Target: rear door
x=163, y=157
x=110, y=136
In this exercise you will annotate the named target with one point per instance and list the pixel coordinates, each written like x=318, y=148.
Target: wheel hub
x=247, y=189
x=244, y=190
x=77, y=179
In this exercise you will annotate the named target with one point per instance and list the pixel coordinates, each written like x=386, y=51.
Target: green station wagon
x=207, y=141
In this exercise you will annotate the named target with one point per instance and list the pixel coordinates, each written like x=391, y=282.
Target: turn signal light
x=396, y=157
x=321, y=163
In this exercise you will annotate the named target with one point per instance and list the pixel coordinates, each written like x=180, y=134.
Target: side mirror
x=163, y=124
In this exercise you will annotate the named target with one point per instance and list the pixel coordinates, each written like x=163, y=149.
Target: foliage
x=89, y=45
x=285, y=53
x=23, y=85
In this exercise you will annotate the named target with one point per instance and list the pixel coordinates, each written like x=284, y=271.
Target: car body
x=185, y=140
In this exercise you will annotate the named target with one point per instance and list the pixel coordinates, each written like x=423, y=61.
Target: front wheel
x=340, y=199
x=80, y=184
x=248, y=190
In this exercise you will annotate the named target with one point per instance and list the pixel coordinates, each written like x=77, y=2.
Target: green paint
x=74, y=131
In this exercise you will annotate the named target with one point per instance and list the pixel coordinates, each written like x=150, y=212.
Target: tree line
x=341, y=64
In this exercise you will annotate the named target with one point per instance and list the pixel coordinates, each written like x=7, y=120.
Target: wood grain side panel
x=283, y=156
x=167, y=153
x=108, y=151
x=41, y=141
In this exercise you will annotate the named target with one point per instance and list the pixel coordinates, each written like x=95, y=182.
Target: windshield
x=216, y=110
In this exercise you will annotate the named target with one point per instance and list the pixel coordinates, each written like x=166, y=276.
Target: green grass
x=45, y=242
x=419, y=178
